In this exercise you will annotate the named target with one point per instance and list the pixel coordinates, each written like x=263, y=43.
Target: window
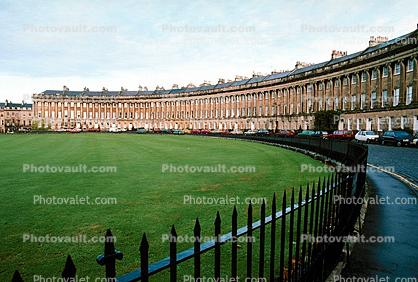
x=374, y=74
x=344, y=103
x=363, y=76
x=337, y=83
x=397, y=69
x=384, y=98
x=345, y=81
x=353, y=102
x=410, y=66
x=354, y=79
x=408, y=95
x=336, y=103
x=373, y=99
x=362, y=101
x=395, y=97
x=321, y=86
x=385, y=72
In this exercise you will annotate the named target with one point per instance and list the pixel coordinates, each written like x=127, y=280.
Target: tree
x=326, y=120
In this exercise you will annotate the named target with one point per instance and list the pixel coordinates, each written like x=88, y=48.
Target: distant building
x=374, y=89
x=15, y=117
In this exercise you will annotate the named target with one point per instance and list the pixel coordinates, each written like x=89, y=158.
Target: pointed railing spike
x=69, y=269
x=17, y=277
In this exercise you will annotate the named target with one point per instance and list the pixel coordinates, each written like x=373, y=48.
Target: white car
x=367, y=136
x=250, y=132
x=113, y=129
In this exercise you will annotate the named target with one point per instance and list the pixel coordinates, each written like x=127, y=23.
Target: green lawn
x=148, y=200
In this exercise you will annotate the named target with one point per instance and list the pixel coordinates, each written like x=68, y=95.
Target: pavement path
x=400, y=258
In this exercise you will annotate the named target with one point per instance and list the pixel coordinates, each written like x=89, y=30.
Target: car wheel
x=383, y=142
x=399, y=143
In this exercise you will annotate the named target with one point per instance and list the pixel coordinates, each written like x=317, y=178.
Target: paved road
x=403, y=159
x=398, y=259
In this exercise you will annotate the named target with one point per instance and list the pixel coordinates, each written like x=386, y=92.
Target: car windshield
x=370, y=133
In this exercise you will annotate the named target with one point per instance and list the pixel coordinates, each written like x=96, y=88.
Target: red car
x=341, y=134
x=285, y=133
x=204, y=131
x=195, y=131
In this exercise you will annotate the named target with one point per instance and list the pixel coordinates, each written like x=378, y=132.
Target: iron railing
x=313, y=213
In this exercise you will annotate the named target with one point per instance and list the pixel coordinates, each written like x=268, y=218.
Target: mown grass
x=148, y=200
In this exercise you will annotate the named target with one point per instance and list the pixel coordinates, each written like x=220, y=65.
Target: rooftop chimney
x=338, y=54
x=300, y=65
x=221, y=81
x=377, y=40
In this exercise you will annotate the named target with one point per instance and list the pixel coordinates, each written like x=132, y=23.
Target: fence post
x=305, y=227
x=282, y=237
x=292, y=211
x=262, y=239
x=17, y=277
x=110, y=255
x=69, y=270
x=143, y=249
x=196, y=234
x=173, y=254
x=273, y=237
x=217, y=246
x=298, y=230
x=234, y=249
x=249, y=241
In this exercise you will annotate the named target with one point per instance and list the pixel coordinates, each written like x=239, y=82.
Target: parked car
x=216, y=131
x=187, y=131
x=113, y=129
x=341, y=135
x=165, y=131
x=285, y=133
x=236, y=132
x=195, y=131
x=398, y=138
x=92, y=130
x=250, y=132
x=75, y=130
x=141, y=130
x=367, y=136
x=204, y=131
x=178, y=132
x=156, y=130
x=263, y=132
x=226, y=132
x=307, y=133
x=415, y=140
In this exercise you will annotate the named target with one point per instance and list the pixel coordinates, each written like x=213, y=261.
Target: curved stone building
x=375, y=88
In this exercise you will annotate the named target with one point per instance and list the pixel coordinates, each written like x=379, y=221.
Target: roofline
x=226, y=85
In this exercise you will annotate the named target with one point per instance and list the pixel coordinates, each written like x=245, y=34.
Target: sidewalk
x=399, y=259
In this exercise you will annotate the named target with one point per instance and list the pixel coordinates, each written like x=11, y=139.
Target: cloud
x=125, y=43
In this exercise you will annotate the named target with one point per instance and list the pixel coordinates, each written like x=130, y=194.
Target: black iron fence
x=296, y=250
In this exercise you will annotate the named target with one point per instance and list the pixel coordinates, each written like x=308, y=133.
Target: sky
x=113, y=44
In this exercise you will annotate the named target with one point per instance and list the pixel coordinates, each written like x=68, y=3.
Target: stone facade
x=14, y=117
x=372, y=89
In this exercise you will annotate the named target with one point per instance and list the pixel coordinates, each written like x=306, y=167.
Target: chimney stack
x=377, y=40
x=338, y=54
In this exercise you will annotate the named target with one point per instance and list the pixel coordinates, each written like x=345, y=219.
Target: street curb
x=396, y=175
